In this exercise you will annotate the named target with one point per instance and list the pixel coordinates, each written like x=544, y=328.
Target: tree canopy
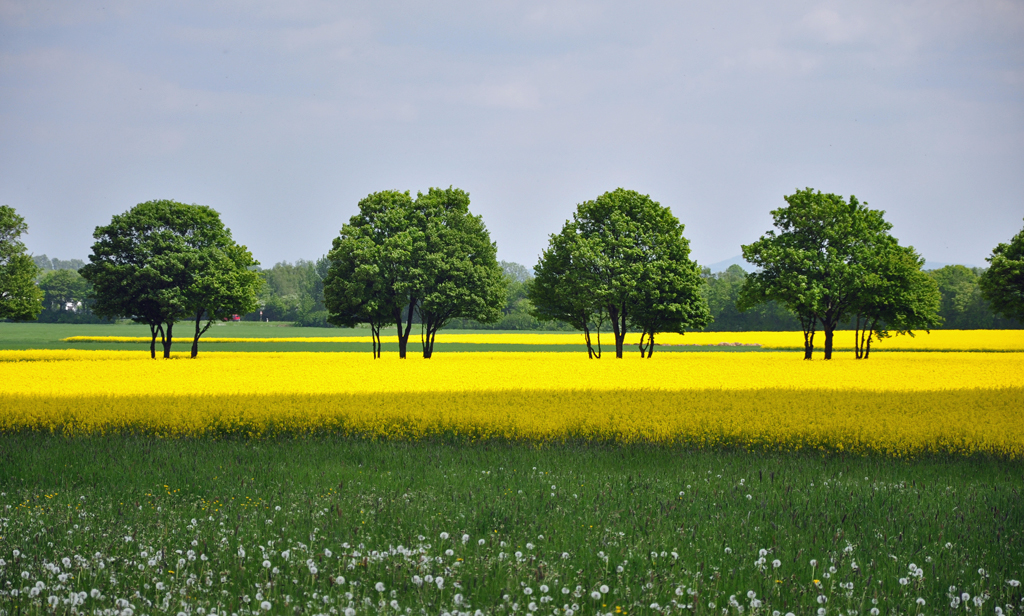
x=162, y=262
x=1003, y=283
x=822, y=263
x=895, y=297
x=622, y=257
x=20, y=299
x=399, y=260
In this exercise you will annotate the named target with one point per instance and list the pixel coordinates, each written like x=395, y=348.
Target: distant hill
x=934, y=265
x=721, y=266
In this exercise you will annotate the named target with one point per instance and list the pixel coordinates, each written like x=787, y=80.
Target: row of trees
x=621, y=261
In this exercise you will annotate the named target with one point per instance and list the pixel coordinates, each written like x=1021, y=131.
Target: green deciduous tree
x=458, y=266
x=162, y=262
x=65, y=294
x=223, y=282
x=562, y=288
x=403, y=260
x=1003, y=283
x=20, y=298
x=624, y=256
x=817, y=260
x=723, y=293
x=374, y=275
x=895, y=297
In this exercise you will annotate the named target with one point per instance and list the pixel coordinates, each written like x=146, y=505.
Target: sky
x=283, y=115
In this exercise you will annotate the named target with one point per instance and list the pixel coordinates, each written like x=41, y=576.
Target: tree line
x=620, y=264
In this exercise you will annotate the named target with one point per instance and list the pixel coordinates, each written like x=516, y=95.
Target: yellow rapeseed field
x=898, y=404
x=938, y=340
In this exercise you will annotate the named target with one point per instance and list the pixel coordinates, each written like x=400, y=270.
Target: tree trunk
x=829, y=334
x=195, y=339
x=375, y=338
x=618, y=327
x=650, y=348
x=856, y=337
x=403, y=336
x=808, y=327
x=428, y=340
x=867, y=348
x=167, y=340
x=153, y=329
x=586, y=337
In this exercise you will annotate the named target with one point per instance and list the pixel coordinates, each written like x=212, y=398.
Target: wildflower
x=595, y=595
x=1014, y=583
x=440, y=582
x=776, y=563
x=527, y=591
x=265, y=606
x=350, y=612
x=327, y=553
x=444, y=536
x=481, y=542
x=920, y=601
x=379, y=586
x=604, y=589
x=266, y=564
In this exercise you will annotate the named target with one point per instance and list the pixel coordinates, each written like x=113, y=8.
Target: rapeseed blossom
x=898, y=404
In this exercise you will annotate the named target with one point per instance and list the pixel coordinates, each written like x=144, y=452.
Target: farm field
x=509, y=483
x=276, y=337
x=327, y=525
x=896, y=404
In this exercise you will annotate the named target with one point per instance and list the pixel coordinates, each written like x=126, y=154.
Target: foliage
x=561, y=291
x=162, y=262
x=223, y=284
x=66, y=298
x=817, y=261
x=401, y=260
x=459, y=272
x=47, y=264
x=1003, y=283
x=517, y=314
x=293, y=292
x=373, y=275
x=962, y=305
x=723, y=294
x=20, y=299
x=624, y=257
x=896, y=297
